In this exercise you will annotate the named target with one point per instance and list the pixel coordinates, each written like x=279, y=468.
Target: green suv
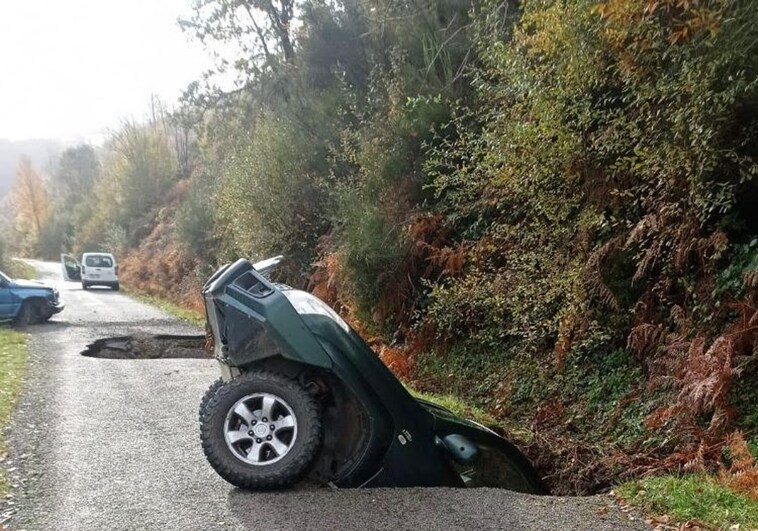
x=301, y=394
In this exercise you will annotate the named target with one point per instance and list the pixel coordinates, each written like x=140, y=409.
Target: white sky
x=74, y=68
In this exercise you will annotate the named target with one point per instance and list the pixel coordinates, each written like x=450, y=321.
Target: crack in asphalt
x=102, y=444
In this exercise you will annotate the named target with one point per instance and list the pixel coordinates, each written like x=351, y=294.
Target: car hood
x=21, y=283
x=440, y=412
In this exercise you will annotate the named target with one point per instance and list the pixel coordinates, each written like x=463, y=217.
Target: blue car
x=27, y=301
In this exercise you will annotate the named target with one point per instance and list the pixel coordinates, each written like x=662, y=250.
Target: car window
x=96, y=260
x=4, y=279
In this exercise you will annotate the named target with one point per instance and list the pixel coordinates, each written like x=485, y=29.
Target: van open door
x=71, y=268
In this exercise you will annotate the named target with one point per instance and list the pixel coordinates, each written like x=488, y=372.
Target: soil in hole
x=147, y=347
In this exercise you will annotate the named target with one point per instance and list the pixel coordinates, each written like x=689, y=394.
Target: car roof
x=97, y=254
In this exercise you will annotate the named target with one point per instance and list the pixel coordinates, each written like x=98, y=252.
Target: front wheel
x=261, y=430
x=28, y=313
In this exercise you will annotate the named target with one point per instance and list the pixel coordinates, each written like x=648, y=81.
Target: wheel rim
x=260, y=429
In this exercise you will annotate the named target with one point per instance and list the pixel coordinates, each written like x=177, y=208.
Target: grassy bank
x=458, y=406
x=13, y=357
x=169, y=307
x=696, y=498
x=20, y=269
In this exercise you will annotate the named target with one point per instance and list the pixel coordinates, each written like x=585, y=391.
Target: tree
x=31, y=201
x=139, y=168
x=78, y=169
x=260, y=30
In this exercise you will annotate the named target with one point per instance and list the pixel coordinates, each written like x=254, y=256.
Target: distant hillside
x=43, y=153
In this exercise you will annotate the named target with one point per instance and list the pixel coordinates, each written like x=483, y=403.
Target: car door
x=71, y=268
x=107, y=268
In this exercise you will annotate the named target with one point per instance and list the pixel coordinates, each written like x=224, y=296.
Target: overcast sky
x=73, y=68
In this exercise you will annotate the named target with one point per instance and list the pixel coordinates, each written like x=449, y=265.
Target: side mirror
x=265, y=267
x=459, y=447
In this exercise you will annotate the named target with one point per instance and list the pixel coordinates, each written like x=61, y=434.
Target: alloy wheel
x=260, y=429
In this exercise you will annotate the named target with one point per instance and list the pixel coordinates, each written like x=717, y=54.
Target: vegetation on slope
x=546, y=208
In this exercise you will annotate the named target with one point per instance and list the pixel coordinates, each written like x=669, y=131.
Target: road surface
x=101, y=444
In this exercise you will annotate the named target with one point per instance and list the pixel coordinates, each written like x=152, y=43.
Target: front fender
x=22, y=294
x=252, y=321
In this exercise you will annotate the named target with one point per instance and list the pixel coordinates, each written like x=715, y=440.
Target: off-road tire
x=207, y=397
x=281, y=474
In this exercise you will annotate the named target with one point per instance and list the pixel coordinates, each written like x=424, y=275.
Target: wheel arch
x=353, y=443
x=29, y=301
x=279, y=473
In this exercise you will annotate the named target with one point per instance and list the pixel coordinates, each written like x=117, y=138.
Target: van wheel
x=116, y=287
x=85, y=286
x=261, y=430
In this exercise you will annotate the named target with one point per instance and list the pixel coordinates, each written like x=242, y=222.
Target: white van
x=95, y=269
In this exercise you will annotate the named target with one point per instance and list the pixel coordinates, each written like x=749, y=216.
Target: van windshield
x=98, y=260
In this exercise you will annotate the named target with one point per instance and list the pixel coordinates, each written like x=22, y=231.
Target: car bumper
x=55, y=307
x=99, y=282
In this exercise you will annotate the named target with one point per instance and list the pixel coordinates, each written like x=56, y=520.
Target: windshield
x=98, y=260
x=306, y=304
x=4, y=278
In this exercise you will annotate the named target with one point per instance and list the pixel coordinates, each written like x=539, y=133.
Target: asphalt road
x=101, y=444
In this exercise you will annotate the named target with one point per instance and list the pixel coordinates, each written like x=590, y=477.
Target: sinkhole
x=144, y=346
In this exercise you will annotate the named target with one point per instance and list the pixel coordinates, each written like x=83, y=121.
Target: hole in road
x=150, y=347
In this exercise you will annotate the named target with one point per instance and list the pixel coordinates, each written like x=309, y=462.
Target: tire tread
x=280, y=479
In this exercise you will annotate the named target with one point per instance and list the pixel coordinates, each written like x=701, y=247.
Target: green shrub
x=195, y=219
x=743, y=260
x=270, y=198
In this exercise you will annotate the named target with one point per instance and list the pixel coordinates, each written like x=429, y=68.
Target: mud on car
x=302, y=394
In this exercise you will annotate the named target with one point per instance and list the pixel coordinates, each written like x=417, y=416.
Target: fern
x=742, y=472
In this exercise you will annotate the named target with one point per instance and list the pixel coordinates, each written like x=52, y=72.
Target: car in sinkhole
x=301, y=395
